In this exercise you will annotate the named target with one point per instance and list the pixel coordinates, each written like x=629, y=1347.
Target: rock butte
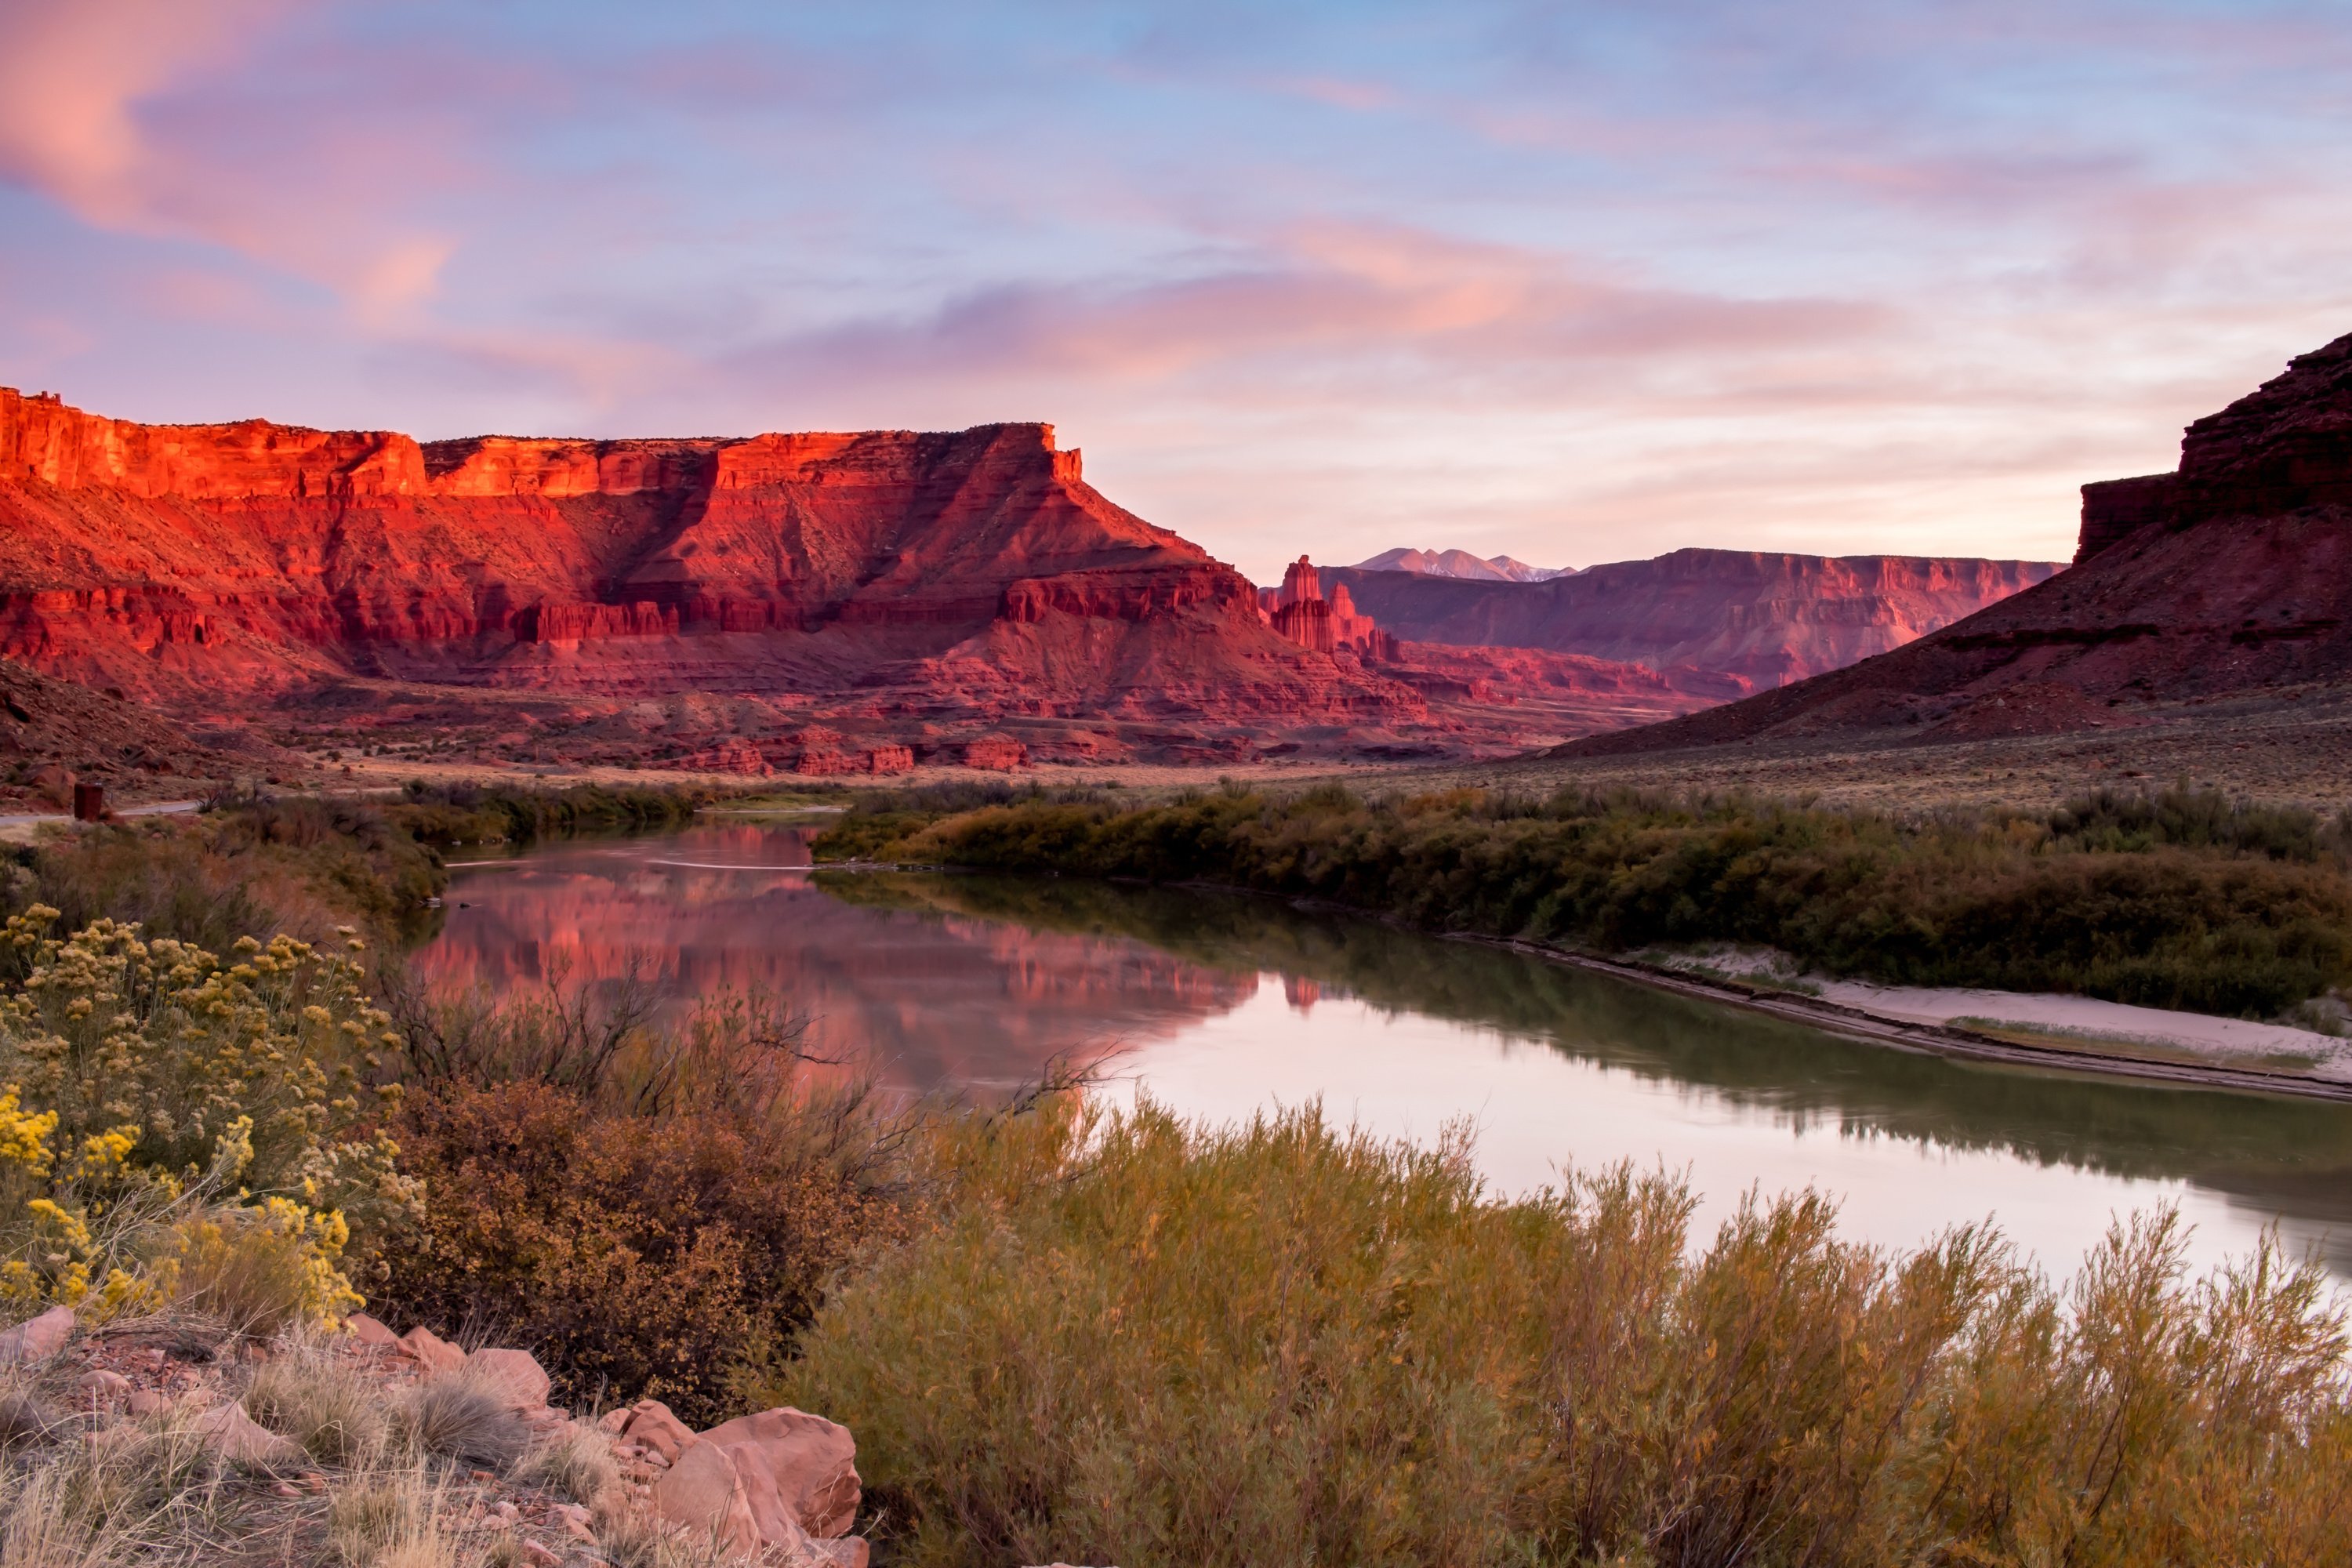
x=823, y=602
x=820, y=603
x=2229, y=577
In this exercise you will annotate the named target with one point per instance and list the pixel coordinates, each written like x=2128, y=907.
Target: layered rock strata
x=2229, y=578
x=1765, y=618
x=913, y=585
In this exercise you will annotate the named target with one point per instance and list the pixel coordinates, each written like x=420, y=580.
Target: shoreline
x=1933, y=1039
x=1831, y=1017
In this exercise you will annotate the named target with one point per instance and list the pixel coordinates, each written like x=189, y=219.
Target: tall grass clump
x=2180, y=899
x=1135, y=1341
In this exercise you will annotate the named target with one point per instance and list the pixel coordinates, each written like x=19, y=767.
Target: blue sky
x=1573, y=282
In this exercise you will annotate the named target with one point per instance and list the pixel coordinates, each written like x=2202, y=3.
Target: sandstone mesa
x=843, y=602
x=831, y=604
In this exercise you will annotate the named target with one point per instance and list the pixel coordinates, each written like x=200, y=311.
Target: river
x=1222, y=1004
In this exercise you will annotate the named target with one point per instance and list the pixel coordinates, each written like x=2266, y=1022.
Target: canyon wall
x=2229, y=578
x=2283, y=448
x=1765, y=618
x=906, y=582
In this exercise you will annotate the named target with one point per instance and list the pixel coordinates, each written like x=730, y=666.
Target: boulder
x=771, y=1511
x=809, y=1461
x=38, y=1339
x=702, y=1492
x=370, y=1333
x=849, y=1552
x=236, y=1438
x=515, y=1376
x=653, y=1427
x=430, y=1351
x=101, y=1386
x=54, y=784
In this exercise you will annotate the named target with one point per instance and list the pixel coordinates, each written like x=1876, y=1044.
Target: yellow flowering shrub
x=263, y=1265
x=162, y=1107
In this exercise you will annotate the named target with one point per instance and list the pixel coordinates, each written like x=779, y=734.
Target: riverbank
x=1890, y=1016
x=2182, y=903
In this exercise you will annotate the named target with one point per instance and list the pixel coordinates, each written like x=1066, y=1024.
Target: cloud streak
x=1565, y=283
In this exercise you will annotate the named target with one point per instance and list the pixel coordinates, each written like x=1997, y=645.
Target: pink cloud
x=81, y=123
x=1333, y=296
x=71, y=74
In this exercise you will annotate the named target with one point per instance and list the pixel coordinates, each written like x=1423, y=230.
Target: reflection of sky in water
x=1536, y=1110
x=1221, y=1007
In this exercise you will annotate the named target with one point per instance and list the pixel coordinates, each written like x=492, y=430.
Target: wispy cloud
x=1568, y=282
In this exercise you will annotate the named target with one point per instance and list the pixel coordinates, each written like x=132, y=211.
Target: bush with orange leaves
x=657, y=1256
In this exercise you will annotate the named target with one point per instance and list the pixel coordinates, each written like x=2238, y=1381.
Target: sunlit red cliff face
x=2229, y=578
x=825, y=602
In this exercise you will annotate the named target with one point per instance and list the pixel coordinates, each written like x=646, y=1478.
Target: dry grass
x=574, y=1461
x=142, y=1492
x=27, y=1413
x=310, y=1395
x=636, y=1539
x=397, y=1519
x=453, y=1417
x=1142, y=1343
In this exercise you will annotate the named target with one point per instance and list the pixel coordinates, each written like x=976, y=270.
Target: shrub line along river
x=1221, y=1005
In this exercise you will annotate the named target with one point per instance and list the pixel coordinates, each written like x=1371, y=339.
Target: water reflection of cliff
x=930, y=995
x=2275, y=1155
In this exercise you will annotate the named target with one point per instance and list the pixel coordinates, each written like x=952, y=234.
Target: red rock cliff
x=210, y=563
x=1763, y=617
x=2283, y=447
x=2231, y=577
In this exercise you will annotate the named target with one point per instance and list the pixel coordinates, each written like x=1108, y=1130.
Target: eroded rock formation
x=810, y=604
x=1765, y=618
x=1299, y=613
x=2232, y=577
x=922, y=589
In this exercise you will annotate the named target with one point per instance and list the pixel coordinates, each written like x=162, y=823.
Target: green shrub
x=2172, y=901
x=247, y=867
x=1139, y=1343
x=451, y=814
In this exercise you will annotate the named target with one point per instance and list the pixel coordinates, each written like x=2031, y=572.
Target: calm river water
x=1219, y=1006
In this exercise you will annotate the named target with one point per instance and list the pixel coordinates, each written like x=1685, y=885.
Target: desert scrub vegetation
x=322, y=1454
x=444, y=815
x=654, y=1207
x=2180, y=899
x=1132, y=1340
x=178, y=1126
x=247, y=866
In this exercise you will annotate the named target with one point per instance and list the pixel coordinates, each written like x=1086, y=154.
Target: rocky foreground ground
x=363, y=1447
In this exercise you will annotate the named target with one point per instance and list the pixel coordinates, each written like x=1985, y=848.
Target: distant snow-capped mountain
x=1462, y=563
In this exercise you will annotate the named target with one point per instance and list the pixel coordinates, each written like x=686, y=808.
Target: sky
x=1567, y=282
